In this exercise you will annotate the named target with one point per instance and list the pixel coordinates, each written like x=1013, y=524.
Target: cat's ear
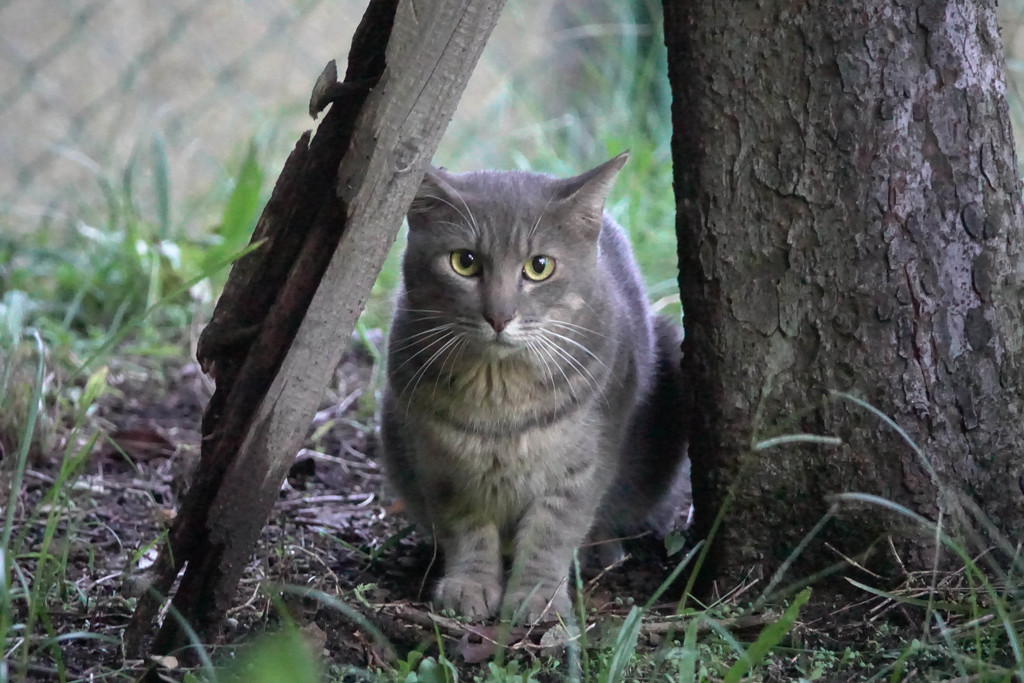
x=435, y=192
x=586, y=193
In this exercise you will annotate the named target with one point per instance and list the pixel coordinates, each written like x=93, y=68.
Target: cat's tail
x=665, y=430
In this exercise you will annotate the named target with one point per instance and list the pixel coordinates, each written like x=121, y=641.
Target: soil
x=335, y=529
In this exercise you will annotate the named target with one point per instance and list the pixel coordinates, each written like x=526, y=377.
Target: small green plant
x=273, y=658
x=67, y=300
x=428, y=670
x=771, y=636
x=33, y=571
x=112, y=270
x=512, y=672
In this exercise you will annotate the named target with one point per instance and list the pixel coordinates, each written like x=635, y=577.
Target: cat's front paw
x=468, y=597
x=540, y=605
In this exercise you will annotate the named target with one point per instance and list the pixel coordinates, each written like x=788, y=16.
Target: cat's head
x=502, y=256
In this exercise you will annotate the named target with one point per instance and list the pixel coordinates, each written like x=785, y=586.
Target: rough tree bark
x=281, y=325
x=849, y=219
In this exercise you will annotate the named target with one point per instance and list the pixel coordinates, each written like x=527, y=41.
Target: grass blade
x=672, y=577
x=240, y=211
x=334, y=603
x=625, y=646
x=162, y=185
x=133, y=323
x=688, y=662
x=797, y=438
x=925, y=462
x=900, y=664
x=770, y=636
x=24, y=444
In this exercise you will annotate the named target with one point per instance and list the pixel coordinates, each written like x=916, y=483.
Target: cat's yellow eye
x=539, y=268
x=465, y=263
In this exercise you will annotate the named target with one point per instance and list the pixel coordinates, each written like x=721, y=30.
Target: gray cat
x=532, y=397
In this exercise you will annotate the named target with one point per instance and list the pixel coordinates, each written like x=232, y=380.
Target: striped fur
x=517, y=441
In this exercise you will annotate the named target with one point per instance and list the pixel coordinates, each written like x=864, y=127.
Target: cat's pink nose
x=499, y=321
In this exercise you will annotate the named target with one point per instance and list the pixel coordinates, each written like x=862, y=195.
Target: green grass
x=118, y=282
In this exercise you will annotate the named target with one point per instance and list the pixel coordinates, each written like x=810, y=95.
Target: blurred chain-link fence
x=88, y=85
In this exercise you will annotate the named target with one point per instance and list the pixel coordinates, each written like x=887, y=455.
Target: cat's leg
x=471, y=584
x=548, y=534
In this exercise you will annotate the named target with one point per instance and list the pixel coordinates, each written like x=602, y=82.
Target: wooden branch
x=254, y=322
x=254, y=427
x=480, y=641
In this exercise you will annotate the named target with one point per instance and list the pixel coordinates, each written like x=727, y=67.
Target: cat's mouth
x=501, y=345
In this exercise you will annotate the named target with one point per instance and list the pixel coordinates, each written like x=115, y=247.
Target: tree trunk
x=281, y=324
x=849, y=220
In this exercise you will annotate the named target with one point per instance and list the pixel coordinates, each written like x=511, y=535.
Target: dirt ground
x=334, y=529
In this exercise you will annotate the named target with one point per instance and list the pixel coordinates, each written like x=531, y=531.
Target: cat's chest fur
x=501, y=437
x=502, y=399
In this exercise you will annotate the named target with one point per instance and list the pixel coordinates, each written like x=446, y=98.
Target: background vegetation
x=139, y=146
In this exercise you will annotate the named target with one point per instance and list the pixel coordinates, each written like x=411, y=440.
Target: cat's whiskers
x=417, y=310
x=446, y=334
x=536, y=224
x=537, y=349
x=458, y=356
x=574, y=327
x=573, y=363
x=536, y=359
x=455, y=351
x=442, y=326
x=460, y=226
x=421, y=372
x=533, y=333
x=470, y=220
x=414, y=339
x=424, y=318
x=545, y=331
